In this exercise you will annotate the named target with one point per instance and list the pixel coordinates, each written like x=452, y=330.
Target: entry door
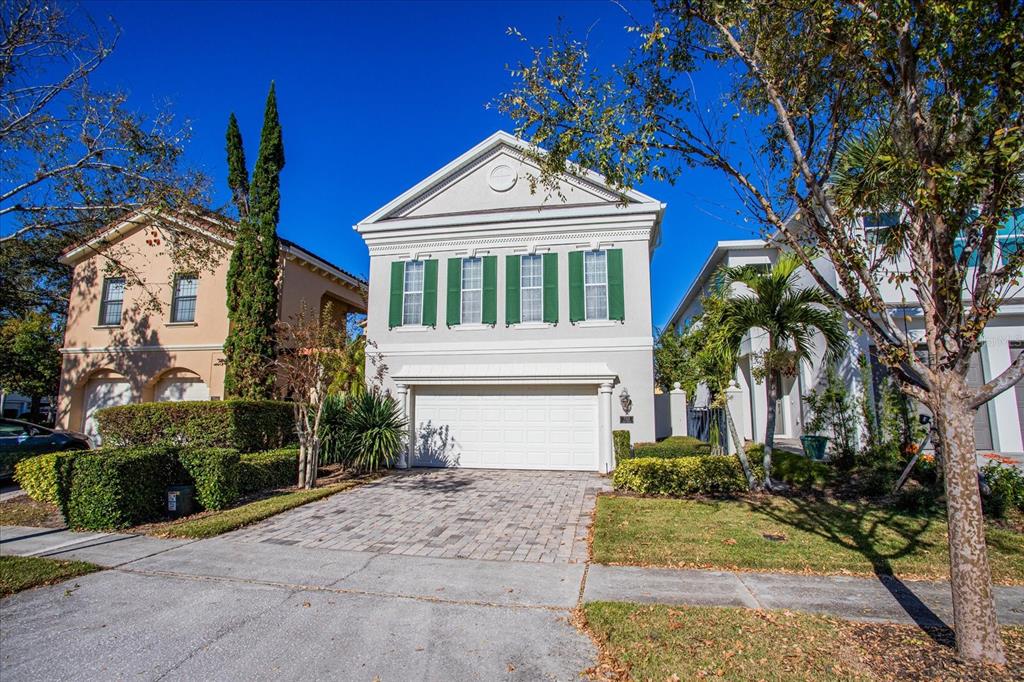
x=99, y=394
x=510, y=427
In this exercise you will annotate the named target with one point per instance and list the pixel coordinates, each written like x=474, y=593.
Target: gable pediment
x=495, y=176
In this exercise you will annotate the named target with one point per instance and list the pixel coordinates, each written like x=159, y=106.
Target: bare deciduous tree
x=73, y=158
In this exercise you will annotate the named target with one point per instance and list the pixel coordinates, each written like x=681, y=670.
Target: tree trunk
x=772, y=386
x=741, y=452
x=974, y=613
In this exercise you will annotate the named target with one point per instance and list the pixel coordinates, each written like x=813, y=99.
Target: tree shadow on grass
x=859, y=527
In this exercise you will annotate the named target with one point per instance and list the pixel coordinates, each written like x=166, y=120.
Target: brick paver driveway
x=538, y=516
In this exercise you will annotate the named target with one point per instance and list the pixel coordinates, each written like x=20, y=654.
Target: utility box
x=180, y=500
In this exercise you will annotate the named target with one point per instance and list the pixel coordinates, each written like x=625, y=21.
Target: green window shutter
x=616, y=296
x=512, y=314
x=430, y=293
x=490, y=304
x=576, y=309
x=454, y=313
x=397, y=287
x=551, y=287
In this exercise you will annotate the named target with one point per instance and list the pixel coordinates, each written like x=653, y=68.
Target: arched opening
x=103, y=388
x=180, y=384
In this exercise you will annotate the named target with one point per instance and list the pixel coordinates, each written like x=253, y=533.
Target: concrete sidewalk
x=884, y=598
x=103, y=549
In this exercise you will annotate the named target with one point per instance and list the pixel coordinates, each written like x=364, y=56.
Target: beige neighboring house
x=119, y=349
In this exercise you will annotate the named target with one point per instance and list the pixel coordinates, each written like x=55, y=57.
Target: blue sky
x=373, y=98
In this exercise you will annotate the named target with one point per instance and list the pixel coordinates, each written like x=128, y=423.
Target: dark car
x=19, y=440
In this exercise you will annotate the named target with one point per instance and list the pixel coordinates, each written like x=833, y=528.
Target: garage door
x=99, y=394
x=170, y=390
x=514, y=427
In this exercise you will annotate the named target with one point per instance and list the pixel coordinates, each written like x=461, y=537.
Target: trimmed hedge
x=674, y=446
x=37, y=476
x=216, y=475
x=244, y=425
x=115, y=488
x=267, y=470
x=621, y=444
x=682, y=475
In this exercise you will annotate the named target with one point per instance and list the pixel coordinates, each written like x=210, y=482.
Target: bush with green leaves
x=674, y=446
x=366, y=431
x=243, y=425
x=680, y=476
x=215, y=474
x=796, y=470
x=37, y=475
x=621, y=444
x=268, y=470
x=116, y=487
x=1006, y=486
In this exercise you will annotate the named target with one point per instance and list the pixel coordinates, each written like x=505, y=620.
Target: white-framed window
x=112, y=302
x=531, y=288
x=183, y=301
x=877, y=225
x=472, y=291
x=412, y=293
x=595, y=284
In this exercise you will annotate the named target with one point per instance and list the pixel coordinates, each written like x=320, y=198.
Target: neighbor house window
x=472, y=290
x=531, y=288
x=112, y=302
x=595, y=282
x=412, y=293
x=877, y=225
x=183, y=302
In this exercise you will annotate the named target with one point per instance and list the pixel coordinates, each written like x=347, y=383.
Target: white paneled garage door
x=101, y=393
x=507, y=427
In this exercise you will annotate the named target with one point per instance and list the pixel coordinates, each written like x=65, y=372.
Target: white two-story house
x=515, y=325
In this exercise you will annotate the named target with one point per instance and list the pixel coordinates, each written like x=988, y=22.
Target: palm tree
x=791, y=316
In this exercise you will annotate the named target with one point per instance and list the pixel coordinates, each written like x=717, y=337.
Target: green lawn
x=208, y=524
x=787, y=534
x=648, y=642
x=19, y=573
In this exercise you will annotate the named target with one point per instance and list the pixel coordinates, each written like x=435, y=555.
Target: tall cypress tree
x=250, y=348
x=238, y=174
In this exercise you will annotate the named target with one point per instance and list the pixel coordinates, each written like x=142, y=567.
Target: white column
x=737, y=408
x=1002, y=410
x=604, y=427
x=405, y=458
x=677, y=410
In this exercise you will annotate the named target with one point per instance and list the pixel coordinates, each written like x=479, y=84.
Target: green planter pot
x=814, y=446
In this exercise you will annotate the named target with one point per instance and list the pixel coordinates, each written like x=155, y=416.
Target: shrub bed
x=796, y=470
x=244, y=425
x=267, y=470
x=115, y=488
x=674, y=446
x=215, y=473
x=682, y=475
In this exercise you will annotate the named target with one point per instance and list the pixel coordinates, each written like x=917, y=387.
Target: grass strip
x=19, y=573
x=788, y=534
x=657, y=642
x=214, y=523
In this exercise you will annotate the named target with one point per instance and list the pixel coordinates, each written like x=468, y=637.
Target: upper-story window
x=472, y=291
x=595, y=283
x=877, y=225
x=112, y=301
x=183, y=301
x=531, y=288
x=412, y=293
